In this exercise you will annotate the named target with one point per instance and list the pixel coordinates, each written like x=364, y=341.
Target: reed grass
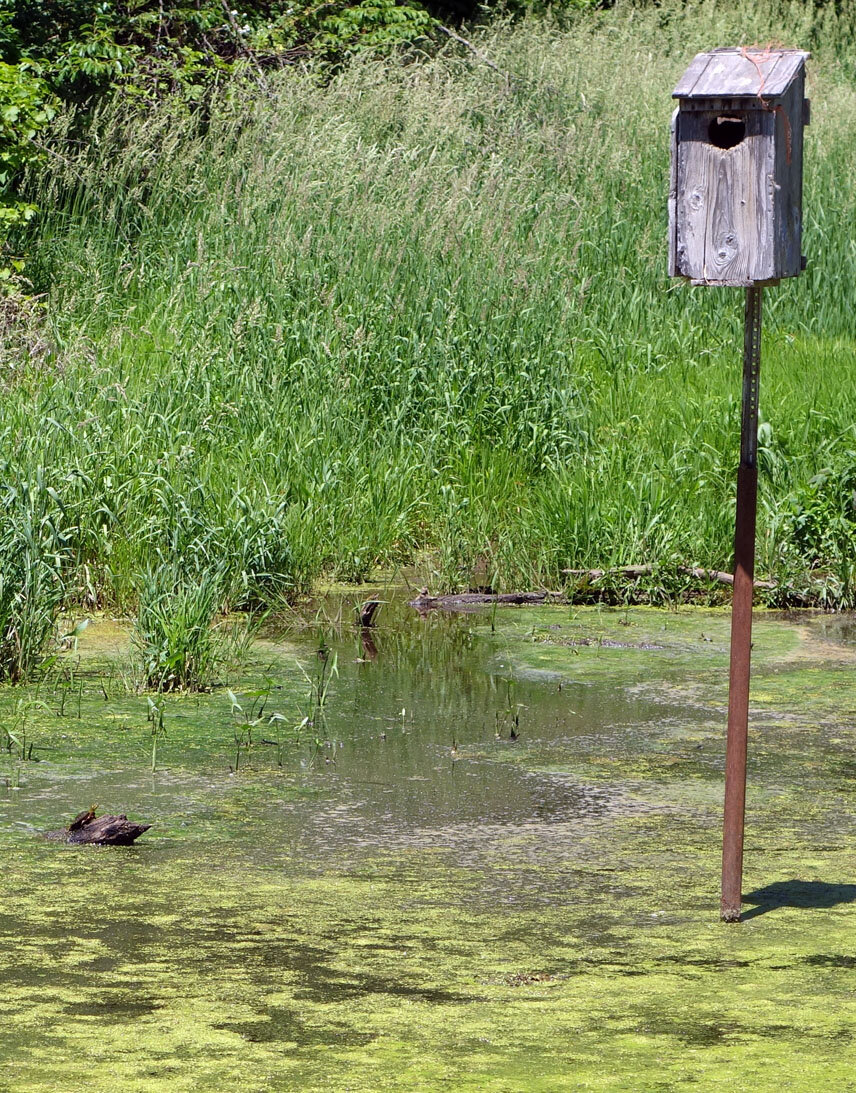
x=174, y=636
x=33, y=557
x=419, y=315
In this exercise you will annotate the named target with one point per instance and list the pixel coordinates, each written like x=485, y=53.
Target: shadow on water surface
x=798, y=893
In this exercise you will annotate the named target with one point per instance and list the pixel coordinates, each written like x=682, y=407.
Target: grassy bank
x=420, y=315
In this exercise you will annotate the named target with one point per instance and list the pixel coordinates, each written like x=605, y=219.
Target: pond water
x=489, y=861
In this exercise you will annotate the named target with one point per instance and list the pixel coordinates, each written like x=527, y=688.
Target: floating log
x=464, y=600
x=86, y=827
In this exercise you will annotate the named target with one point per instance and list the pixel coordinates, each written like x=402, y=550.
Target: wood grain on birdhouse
x=735, y=201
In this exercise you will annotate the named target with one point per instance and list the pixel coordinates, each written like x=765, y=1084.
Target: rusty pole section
x=741, y=617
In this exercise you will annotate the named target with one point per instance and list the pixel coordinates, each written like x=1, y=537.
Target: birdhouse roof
x=749, y=71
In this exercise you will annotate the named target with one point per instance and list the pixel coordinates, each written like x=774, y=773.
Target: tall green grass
x=174, y=638
x=33, y=559
x=419, y=315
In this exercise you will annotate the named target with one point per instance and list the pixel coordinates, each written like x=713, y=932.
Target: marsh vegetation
x=416, y=315
x=404, y=321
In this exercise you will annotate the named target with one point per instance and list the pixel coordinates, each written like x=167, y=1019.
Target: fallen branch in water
x=424, y=602
x=718, y=575
x=462, y=601
x=633, y=571
x=367, y=613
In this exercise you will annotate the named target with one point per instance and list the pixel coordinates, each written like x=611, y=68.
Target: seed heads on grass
x=325, y=390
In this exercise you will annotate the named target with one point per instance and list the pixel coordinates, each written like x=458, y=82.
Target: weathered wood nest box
x=735, y=202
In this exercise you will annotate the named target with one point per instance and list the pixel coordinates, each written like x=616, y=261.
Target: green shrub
x=819, y=524
x=26, y=107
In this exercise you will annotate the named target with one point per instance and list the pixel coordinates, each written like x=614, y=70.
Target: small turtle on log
x=86, y=827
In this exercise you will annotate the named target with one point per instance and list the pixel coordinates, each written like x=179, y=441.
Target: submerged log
x=466, y=601
x=101, y=830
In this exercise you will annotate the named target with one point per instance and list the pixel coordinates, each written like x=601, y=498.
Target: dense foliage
x=26, y=107
x=407, y=315
x=420, y=315
x=84, y=47
x=73, y=51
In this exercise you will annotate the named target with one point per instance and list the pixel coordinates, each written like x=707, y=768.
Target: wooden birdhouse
x=735, y=201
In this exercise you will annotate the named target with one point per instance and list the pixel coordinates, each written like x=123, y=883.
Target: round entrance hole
x=726, y=132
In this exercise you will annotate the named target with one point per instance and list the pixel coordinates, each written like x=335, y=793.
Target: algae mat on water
x=493, y=865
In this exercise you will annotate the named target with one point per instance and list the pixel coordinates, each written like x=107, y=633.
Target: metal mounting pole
x=741, y=617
